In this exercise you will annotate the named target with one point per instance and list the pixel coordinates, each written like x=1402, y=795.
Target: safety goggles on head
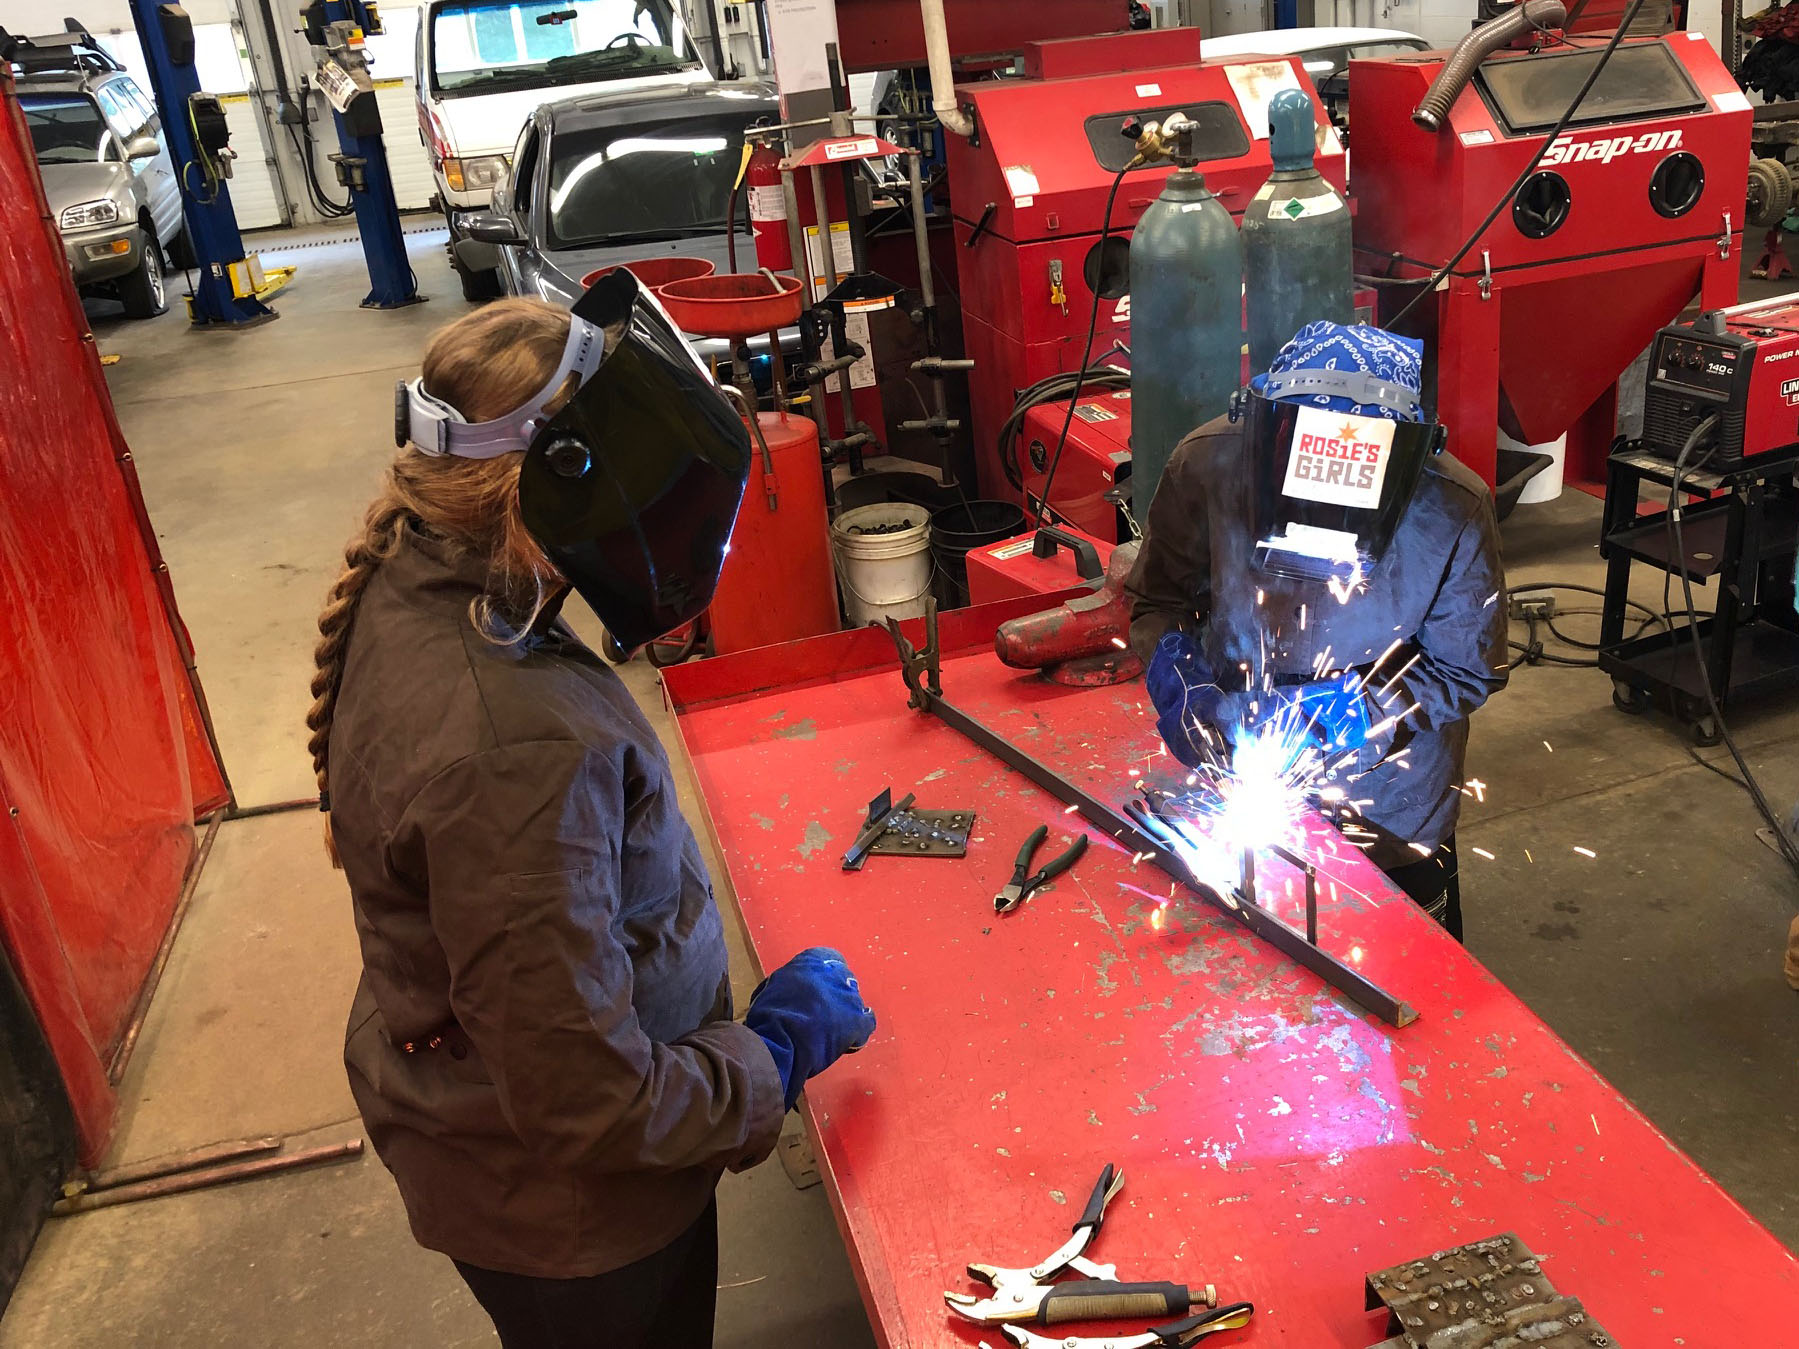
x=433, y=427
x=631, y=482
x=1330, y=486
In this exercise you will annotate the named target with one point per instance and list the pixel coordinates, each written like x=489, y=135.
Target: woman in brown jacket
x=542, y=1046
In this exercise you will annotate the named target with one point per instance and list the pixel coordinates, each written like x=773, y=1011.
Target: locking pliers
x=1032, y=1295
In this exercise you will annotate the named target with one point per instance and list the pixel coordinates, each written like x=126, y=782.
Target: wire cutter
x=1175, y=1335
x=1018, y=889
x=1032, y=1295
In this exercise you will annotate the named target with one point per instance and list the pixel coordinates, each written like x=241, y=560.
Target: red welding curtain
x=103, y=756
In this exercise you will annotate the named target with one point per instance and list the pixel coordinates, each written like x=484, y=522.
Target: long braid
x=363, y=555
x=483, y=364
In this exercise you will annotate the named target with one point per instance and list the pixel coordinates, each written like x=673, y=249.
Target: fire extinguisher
x=768, y=208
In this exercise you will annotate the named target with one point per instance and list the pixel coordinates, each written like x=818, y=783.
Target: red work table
x=1276, y=1141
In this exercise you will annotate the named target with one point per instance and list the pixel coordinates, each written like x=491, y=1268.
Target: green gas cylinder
x=1296, y=238
x=1186, y=323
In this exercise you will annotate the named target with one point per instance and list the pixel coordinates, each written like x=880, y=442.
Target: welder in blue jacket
x=1315, y=556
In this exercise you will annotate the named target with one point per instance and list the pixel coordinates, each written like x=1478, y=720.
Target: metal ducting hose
x=1475, y=48
x=943, y=79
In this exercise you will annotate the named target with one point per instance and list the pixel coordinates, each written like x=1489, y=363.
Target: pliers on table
x=1175, y=1335
x=1032, y=1295
x=1018, y=889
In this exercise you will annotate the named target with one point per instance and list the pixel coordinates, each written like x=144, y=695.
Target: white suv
x=485, y=65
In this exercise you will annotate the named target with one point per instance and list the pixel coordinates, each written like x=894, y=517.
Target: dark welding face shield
x=635, y=462
x=1330, y=487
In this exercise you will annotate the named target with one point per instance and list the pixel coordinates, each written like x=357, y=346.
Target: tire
x=1627, y=698
x=143, y=292
x=479, y=286
x=181, y=251
x=1705, y=732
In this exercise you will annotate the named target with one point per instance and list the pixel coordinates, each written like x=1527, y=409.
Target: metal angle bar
x=1289, y=941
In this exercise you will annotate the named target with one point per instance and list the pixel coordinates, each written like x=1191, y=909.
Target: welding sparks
x=1549, y=747
x=1482, y=852
x=1585, y=852
x=1071, y=810
x=1121, y=644
x=1479, y=789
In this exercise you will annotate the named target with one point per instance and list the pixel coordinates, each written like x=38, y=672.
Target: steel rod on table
x=1292, y=943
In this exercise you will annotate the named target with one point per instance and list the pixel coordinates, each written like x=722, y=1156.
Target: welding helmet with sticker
x=635, y=461
x=1337, y=442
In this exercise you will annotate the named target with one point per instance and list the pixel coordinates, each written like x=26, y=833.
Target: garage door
x=390, y=65
x=224, y=69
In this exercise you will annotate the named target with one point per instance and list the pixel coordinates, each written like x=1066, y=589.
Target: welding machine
x=1741, y=364
x=1095, y=459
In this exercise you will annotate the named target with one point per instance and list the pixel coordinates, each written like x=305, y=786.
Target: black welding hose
x=1704, y=431
x=1477, y=46
x=1074, y=398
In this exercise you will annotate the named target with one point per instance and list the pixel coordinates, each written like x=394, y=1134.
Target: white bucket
x=1547, y=485
x=883, y=575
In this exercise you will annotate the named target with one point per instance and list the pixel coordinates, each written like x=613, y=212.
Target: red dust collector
x=1635, y=208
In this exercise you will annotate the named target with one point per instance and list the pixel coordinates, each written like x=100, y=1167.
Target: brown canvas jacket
x=540, y=1046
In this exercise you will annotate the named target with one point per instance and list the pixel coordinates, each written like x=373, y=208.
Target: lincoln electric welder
x=1740, y=363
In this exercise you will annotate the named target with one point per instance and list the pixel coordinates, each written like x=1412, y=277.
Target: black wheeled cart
x=1739, y=524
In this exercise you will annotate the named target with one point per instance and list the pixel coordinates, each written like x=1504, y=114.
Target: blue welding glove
x=1184, y=692
x=1336, y=710
x=809, y=1013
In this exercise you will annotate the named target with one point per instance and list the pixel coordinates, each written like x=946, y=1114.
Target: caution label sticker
x=1339, y=459
x=1021, y=182
x=768, y=202
x=1092, y=412
x=1301, y=208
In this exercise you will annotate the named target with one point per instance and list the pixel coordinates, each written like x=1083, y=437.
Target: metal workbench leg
x=1728, y=613
x=1621, y=489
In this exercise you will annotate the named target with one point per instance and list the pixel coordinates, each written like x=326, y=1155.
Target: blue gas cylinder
x=1296, y=238
x=1186, y=324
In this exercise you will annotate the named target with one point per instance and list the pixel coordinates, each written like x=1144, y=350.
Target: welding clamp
x=1019, y=888
x=1032, y=1295
x=1175, y=1335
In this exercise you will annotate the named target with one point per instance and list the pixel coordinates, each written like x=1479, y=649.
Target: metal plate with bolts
x=901, y=830
x=1480, y=1296
x=926, y=833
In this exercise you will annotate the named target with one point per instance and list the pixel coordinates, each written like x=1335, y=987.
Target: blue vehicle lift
x=336, y=29
x=225, y=292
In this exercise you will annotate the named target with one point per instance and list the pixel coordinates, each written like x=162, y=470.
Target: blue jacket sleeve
x=1462, y=655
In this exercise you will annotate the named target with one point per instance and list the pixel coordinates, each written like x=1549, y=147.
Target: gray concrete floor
x=1658, y=960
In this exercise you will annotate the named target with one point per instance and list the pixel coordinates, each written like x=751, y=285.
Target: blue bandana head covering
x=1394, y=361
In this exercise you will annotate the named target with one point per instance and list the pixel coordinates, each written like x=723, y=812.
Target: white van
x=485, y=65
